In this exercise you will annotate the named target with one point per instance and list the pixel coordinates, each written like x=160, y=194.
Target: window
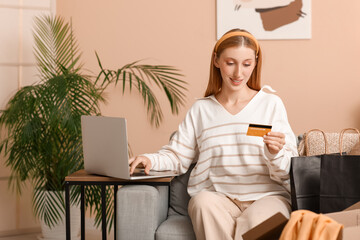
x=17, y=69
x=17, y=61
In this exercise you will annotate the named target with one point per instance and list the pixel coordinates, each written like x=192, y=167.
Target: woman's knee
x=279, y=204
x=202, y=200
x=263, y=209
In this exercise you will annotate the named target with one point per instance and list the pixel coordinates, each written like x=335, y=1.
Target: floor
x=89, y=235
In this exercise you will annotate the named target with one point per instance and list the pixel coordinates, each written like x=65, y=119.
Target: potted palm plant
x=42, y=121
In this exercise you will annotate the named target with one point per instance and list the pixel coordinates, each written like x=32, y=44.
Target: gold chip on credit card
x=258, y=130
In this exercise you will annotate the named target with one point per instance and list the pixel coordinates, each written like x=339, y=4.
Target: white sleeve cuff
x=270, y=156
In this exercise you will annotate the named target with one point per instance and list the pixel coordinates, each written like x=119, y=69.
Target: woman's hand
x=274, y=141
x=144, y=161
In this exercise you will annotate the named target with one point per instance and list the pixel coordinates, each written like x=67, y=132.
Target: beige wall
x=318, y=79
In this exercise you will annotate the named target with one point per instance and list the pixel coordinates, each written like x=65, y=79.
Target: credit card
x=258, y=130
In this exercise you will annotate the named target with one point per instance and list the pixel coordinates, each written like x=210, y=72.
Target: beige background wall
x=317, y=79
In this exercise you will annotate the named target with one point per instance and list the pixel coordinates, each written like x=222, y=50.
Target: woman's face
x=236, y=65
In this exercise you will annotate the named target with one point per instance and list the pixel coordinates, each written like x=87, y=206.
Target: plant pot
x=58, y=232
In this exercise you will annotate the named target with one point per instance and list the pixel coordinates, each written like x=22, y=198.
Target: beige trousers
x=215, y=216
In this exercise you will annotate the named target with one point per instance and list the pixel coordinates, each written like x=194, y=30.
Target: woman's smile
x=236, y=81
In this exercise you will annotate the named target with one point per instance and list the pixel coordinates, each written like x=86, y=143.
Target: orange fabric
x=306, y=225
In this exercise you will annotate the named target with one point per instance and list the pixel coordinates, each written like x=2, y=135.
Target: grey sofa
x=146, y=212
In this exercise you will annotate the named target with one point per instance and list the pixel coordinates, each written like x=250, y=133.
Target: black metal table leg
x=115, y=204
x=67, y=209
x=103, y=210
x=82, y=207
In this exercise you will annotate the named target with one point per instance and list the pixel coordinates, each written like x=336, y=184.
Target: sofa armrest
x=140, y=210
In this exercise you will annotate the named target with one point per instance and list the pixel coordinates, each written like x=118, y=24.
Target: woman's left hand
x=274, y=141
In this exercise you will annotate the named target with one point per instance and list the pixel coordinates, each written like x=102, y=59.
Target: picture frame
x=271, y=19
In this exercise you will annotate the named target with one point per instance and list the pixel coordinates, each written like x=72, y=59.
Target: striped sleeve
x=279, y=164
x=181, y=150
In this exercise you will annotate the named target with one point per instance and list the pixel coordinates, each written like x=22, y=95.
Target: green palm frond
x=167, y=78
x=56, y=46
x=48, y=205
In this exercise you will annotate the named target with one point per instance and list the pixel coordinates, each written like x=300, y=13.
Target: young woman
x=238, y=180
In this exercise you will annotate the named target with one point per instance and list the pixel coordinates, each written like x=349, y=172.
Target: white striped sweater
x=227, y=160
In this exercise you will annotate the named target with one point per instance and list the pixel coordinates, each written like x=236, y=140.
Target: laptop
x=105, y=149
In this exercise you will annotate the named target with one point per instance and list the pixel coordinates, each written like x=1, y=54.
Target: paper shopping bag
x=305, y=182
x=340, y=180
x=305, y=178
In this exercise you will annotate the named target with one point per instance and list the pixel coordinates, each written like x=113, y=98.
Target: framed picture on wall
x=266, y=19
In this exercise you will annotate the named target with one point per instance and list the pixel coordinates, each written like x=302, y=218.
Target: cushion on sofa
x=179, y=197
x=176, y=227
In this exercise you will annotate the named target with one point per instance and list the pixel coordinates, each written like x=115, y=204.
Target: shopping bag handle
x=307, y=144
x=341, y=137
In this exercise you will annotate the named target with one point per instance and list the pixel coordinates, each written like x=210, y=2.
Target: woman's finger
x=131, y=160
x=147, y=168
x=140, y=161
x=273, y=149
x=275, y=136
x=274, y=145
x=134, y=164
x=274, y=141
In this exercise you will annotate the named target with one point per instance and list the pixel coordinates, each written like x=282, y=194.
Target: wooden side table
x=83, y=178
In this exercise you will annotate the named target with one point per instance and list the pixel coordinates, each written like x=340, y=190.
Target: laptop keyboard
x=137, y=174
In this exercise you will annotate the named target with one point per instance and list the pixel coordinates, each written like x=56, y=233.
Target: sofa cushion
x=176, y=227
x=179, y=197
